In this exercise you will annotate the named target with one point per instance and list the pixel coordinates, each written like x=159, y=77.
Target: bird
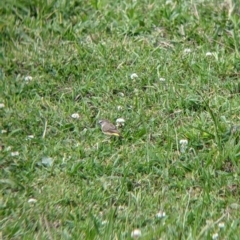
x=108, y=128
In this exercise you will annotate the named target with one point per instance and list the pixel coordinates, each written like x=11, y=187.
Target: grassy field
x=171, y=69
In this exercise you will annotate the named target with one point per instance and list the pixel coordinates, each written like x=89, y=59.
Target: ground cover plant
x=170, y=69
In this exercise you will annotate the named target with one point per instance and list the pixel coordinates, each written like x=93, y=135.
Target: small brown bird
x=108, y=128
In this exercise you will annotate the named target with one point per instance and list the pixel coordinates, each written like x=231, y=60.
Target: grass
x=80, y=55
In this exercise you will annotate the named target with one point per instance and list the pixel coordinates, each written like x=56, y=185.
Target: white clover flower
x=14, y=154
x=183, y=145
x=234, y=206
x=47, y=161
x=120, y=122
x=2, y=105
x=30, y=136
x=208, y=54
x=3, y=131
x=121, y=94
x=161, y=214
x=169, y=2
x=32, y=200
x=28, y=78
x=104, y=222
x=75, y=116
x=187, y=50
x=134, y=75
x=84, y=130
x=215, y=236
x=136, y=233
x=183, y=142
x=221, y=225
x=119, y=108
x=121, y=207
x=136, y=91
x=162, y=79
x=8, y=148
x=209, y=222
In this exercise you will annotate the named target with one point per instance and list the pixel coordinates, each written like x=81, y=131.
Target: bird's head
x=102, y=121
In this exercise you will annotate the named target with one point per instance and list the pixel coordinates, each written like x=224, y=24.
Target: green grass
x=80, y=55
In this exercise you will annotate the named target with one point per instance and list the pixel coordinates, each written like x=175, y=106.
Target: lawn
x=170, y=69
